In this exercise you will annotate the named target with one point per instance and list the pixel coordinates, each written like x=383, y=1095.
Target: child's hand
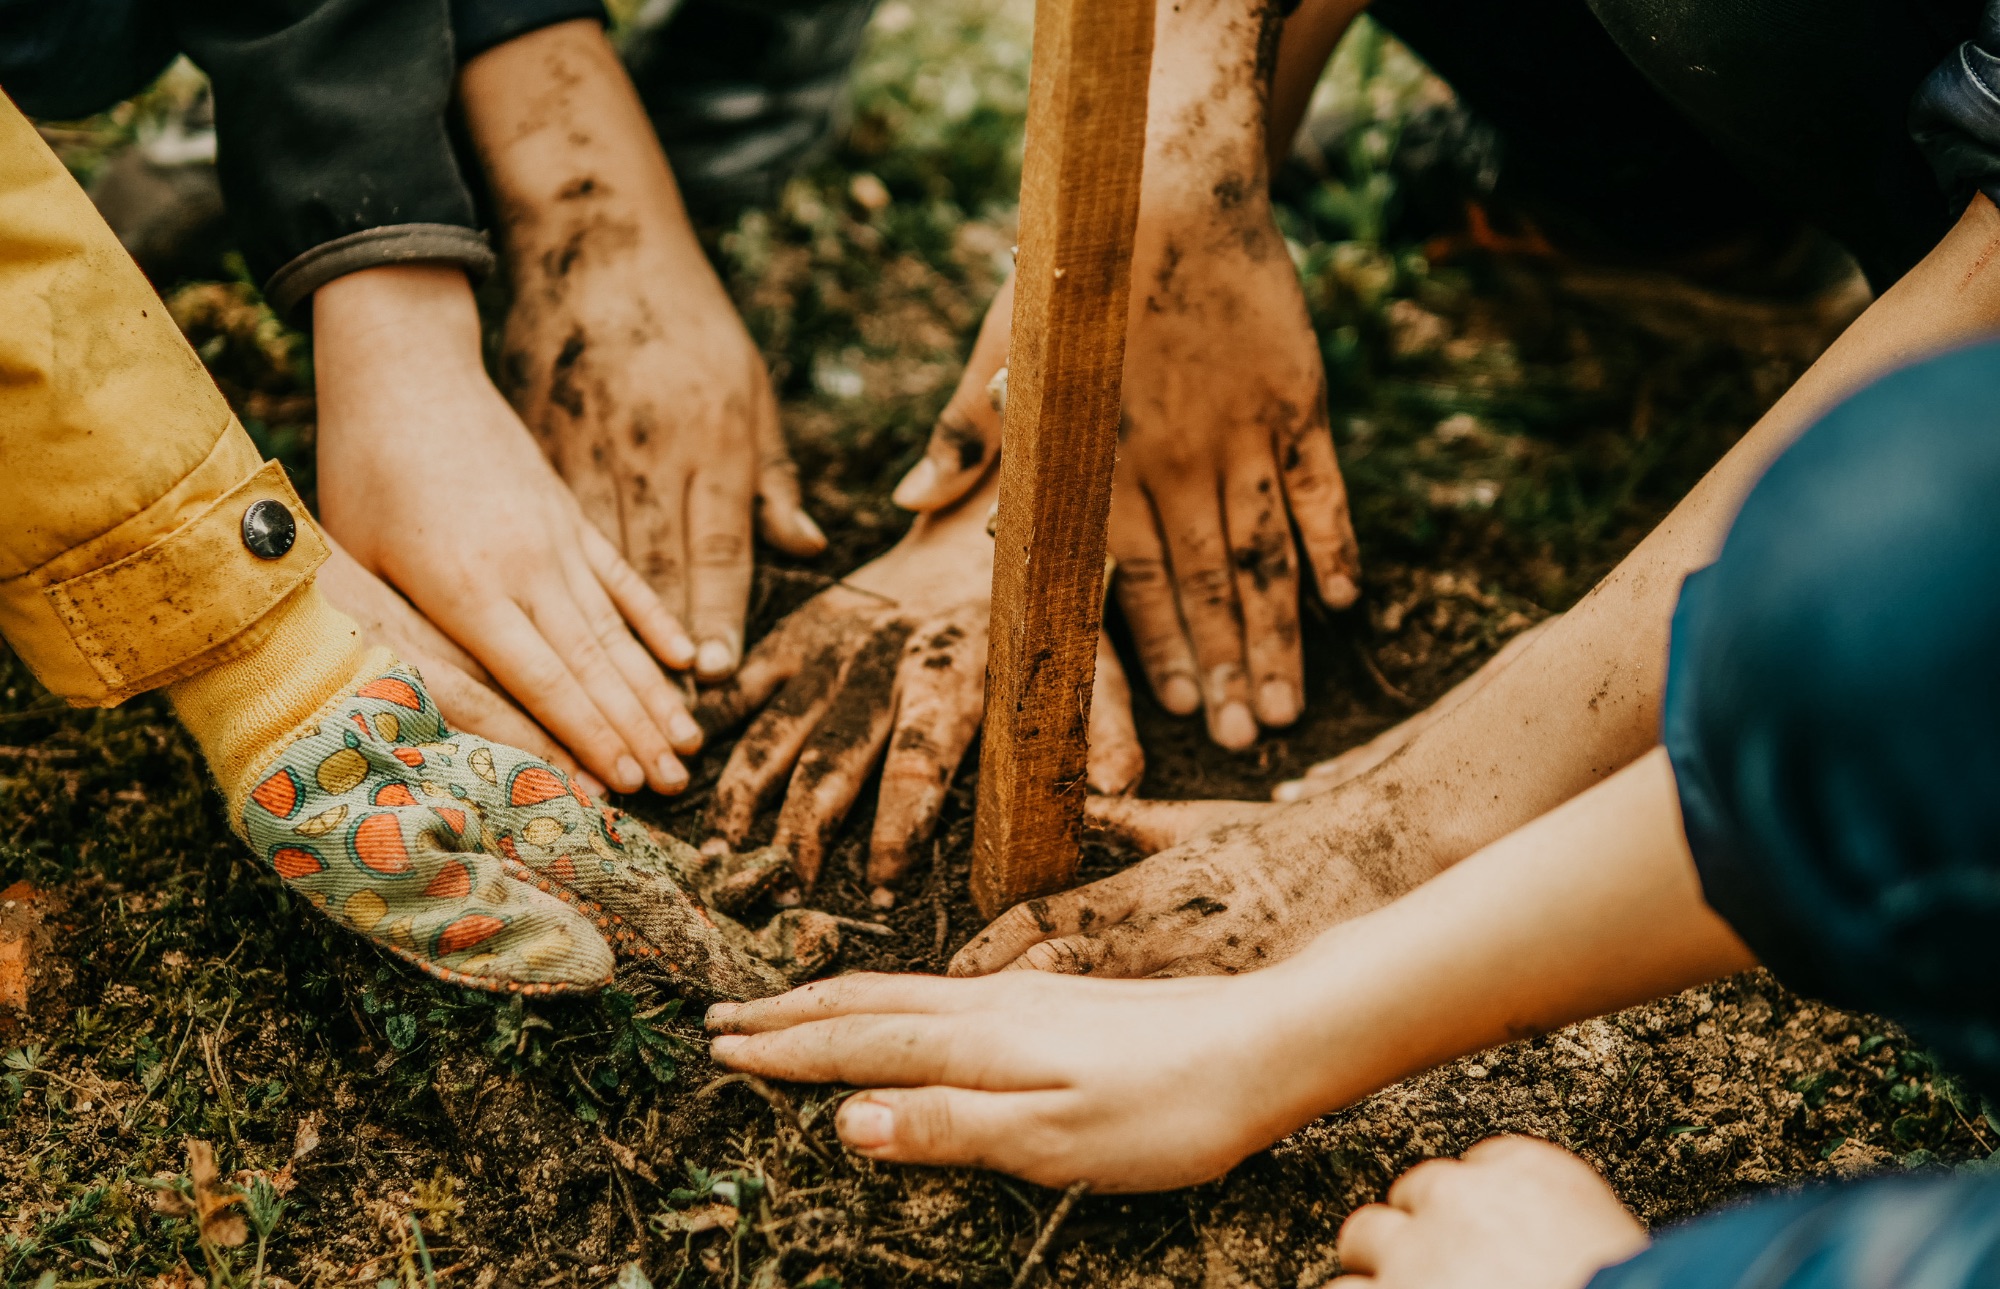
x=893, y=657
x=623, y=351
x=429, y=479
x=1126, y=1085
x=1515, y=1213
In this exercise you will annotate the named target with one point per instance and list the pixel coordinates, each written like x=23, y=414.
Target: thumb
x=1116, y=759
x=966, y=439
x=1153, y=826
x=950, y=1126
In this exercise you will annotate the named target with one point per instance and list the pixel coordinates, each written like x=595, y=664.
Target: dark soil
x=1508, y=427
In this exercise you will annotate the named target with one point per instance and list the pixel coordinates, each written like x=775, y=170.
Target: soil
x=1509, y=426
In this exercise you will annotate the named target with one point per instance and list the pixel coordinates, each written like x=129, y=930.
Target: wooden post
x=1079, y=205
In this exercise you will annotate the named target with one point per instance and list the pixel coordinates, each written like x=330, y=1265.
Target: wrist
x=245, y=710
x=420, y=316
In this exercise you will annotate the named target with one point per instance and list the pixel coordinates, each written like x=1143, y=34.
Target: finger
x=1367, y=1236
x=1419, y=1186
x=880, y=994
x=765, y=753
x=776, y=659
x=896, y=1051
x=1317, y=496
x=1123, y=950
x=1198, y=550
x=940, y=698
x=664, y=704
x=626, y=684
x=841, y=751
x=1006, y=1131
x=637, y=602
x=525, y=664
x=1101, y=903
x=1146, y=595
x=718, y=521
x=1267, y=588
x=781, y=517
x=966, y=439
x=1153, y=826
x=1116, y=759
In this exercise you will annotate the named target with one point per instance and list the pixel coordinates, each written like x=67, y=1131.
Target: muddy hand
x=965, y=442
x=430, y=480
x=622, y=349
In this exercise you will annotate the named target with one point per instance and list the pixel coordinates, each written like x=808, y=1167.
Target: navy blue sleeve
x=1955, y=116
x=1926, y=1232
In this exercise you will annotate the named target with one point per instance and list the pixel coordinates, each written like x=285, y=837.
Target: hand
x=893, y=657
x=1052, y=1080
x=465, y=693
x=430, y=481
x=623, y=351
x=1515, y=1213
x=1226, y=447
x=475, y=861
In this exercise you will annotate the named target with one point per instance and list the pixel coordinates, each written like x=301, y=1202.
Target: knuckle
x=713, y=550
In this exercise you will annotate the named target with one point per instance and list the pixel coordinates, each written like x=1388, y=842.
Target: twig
x=1056, y=1216
x=856, y=924
x=775, y=1099
x=1381, y=681
x=645, y=1252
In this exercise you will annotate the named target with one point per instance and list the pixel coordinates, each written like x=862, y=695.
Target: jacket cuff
x=479, y=25
x=294, y=284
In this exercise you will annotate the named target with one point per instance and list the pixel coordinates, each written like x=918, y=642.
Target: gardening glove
x=477, y=862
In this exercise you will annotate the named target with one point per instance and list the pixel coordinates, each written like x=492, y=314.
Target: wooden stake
x=1079, y=205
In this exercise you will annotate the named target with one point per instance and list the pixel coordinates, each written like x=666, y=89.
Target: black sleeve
x=1955, y=117
x=332, y=136
x=479, y=25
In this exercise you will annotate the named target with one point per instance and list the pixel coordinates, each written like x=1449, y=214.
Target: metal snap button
x=269, y=529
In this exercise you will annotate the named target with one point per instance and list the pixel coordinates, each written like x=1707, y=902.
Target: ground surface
x=1509, y=425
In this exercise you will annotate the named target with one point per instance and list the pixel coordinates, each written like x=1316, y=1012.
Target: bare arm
x=1311, y=33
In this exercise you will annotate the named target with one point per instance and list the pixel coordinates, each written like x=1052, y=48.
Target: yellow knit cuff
x=245, y=711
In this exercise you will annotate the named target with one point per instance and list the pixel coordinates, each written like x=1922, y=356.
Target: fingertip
x=1277, y=703
x=1233, y=727
x=626, y=776
x=1338, y=590
x=1289, y=791
x=865, y=1125
x=715, y=659
x=724, y=1047
x=809, y=533
x=914, y=491
x=719, y=1014
x=669, y=775
x=685, y=732
x=592, y=786
x=1180, y=695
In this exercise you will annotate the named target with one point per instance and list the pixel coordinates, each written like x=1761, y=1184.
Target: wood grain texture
x=1079, y=205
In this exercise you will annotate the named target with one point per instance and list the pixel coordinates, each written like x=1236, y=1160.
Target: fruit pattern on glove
x=477, y=862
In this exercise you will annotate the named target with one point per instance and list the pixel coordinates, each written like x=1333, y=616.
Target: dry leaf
x=214, y=1199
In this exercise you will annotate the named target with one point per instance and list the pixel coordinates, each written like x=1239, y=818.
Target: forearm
x=1584, y=699
x=578, y=174
x=1592, y=907
x=1311, y=33
x=1205, y=110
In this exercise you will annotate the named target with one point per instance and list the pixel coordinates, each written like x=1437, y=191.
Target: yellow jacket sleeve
x=130, y=555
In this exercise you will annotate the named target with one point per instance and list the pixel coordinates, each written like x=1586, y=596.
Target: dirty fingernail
x=716, y=658
x=1288, y=791
x=719, y=1014
x=1180, y=695
x=917, y=484
x=790, y=899
x=867, y=1125
x=673, y=775
x=626, y=776
x=1339, y=591
x=882, y=898
x=1235, y=727
x=1277, y=703
x=685, y=731
x=723, y=1044
x=715, y=846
